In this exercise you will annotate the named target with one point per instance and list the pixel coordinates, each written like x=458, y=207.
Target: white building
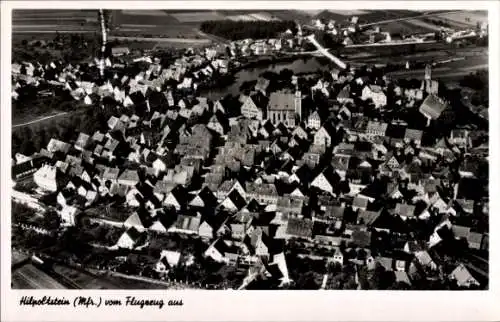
x=46, y=178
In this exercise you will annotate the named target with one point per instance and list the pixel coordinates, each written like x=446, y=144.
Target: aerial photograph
x=250, y=150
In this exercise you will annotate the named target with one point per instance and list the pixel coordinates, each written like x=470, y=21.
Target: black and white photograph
x=250, y=149
x=276, y=152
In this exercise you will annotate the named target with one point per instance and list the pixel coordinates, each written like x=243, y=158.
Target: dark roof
x=299, y=227
x=395, y=131
x=237, y=199
x=208, y=197
x=361, y=238
x=180, y=194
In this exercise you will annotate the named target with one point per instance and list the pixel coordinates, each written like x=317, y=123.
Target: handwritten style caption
x=97, y=301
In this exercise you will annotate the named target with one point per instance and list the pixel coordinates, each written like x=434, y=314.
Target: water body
x=300, y=65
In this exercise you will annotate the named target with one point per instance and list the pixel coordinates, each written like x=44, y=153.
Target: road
x=39, y=120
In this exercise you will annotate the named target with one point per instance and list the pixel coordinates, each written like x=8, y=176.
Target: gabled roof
x=129, y=175
x=207, y=198
x=405, y=210
x=236, y=199
x=367, y=217
x=433, y=106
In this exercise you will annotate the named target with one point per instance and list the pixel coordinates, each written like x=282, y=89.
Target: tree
x=51, y=220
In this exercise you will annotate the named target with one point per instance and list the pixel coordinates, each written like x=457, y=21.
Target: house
x=475, y=240
x=402, y=277
x=385, y=262
x=376, y=94
x=24, y=169
x=328, y=180
x=128, y=178
x=110, y=175
x=250, y=110
x=432, y=107
x=289, y=205
x=263, y=193
x=344, y=96
x=425, y=260
x=314, y=121
x=176, y=198
x=82, y=141
x=284, y=108
x=140, y=220
x=55, y=145
x=405, y=211
x=359, y=203
x=337, y=257
x=168, y=260
x=376, y=129
x=204, y=199
x=223, y=251
x=367, y=218
x=130, y=239
x=120, y=51
x=69, y=215
x=233, y=202
x=46, y=178
x=299, y=228
x=186, y=224
x=412, y=135
x=324, y=135
x=460, y=137
x=227, y=186
x=463, y=277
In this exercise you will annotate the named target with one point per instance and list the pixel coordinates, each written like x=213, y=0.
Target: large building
x=285, y=108
x=46, y=178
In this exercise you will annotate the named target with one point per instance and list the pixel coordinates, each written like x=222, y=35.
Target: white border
x=261, y=305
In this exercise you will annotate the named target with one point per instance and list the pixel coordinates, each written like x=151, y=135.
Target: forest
x=235, y=30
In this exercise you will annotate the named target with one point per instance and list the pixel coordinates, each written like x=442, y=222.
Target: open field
x=189, y=41
x=197, y=16
x=407, y=27
x=422, y=24
x=459, y=18
x=30, y=277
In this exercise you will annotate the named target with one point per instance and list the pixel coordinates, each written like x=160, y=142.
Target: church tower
x=298, y=104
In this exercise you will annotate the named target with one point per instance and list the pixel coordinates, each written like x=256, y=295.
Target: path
x=39, y=120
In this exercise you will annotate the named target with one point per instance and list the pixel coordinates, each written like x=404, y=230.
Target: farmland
x=31, y=21
x=465, y=19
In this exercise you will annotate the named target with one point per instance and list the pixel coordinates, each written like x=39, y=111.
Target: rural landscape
x=250, y=150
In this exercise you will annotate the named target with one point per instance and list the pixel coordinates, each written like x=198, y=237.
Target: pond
x=300, y=65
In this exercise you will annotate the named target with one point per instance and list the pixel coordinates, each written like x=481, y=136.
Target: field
x=407, y=27
x=423, y=24
x=30, y=277
x=257, y=16
x=97, y=280
x=466, y=18
x=197, y=16
x=37, y=21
